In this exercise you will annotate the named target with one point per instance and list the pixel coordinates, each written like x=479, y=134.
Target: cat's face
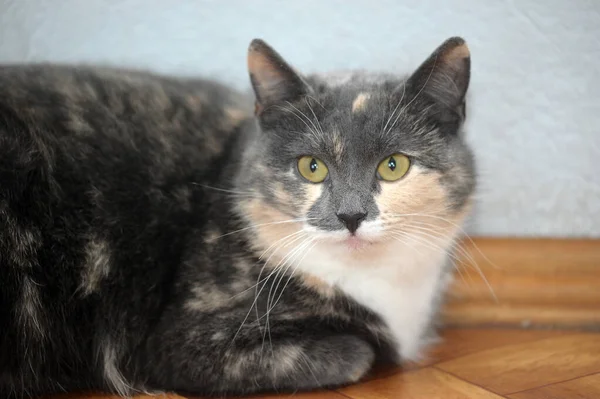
x=359, y=163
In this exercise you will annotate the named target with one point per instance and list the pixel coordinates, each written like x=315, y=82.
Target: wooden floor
x=526, y=282
x=504, y=284
x=482, y=363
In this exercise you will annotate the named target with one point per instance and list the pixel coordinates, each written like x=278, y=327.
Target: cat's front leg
x=300, y=362
x=291, y=356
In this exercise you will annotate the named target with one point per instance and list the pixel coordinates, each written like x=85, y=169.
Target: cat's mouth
x=355, y=243
x=362, y=239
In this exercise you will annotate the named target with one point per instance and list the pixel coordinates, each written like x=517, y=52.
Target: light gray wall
x=535, y=102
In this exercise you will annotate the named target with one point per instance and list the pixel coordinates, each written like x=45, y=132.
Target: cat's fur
x=156, y=236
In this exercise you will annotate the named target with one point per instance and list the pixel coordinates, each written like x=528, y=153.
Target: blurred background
x=534, y=107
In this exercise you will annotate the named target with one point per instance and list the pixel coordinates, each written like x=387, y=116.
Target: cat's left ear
x=273, y=80
x=444, y=78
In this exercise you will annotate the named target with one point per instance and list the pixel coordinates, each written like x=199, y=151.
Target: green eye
x=312, y=169
x=393, y=167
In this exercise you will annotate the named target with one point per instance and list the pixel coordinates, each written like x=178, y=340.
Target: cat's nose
x=351, y=221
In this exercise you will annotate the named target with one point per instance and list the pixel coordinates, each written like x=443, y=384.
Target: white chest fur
x=398, y=282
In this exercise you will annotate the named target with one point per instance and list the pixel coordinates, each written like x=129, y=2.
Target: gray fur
x=98, y=266
x=132, y=256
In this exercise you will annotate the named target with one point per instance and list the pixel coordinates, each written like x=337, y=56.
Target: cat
x=164, y=234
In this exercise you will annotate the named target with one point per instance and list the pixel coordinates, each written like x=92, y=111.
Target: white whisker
x=450, y=254
x=263, y=224
x=413, y=238
x=431, y=228
x=256, y=296
x=224, y=190
x=266, y=262
x=384, y=132
x=306, y=250
x=303, y=118
x=463, y=232
x=316, y=120
x=417, y=95
x=281, y=273
x=285, y=243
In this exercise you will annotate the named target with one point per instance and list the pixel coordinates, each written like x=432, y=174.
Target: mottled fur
x=156, y=236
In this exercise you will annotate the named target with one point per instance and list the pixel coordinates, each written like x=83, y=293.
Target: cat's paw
x=338, y=360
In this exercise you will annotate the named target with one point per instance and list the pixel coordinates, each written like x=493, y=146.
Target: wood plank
x=303, y=395
x=565, y=288
x=519, y=367
x=92, y=395
x=536, y=357
x=544, y=255
x=539, y=282
x=425, y=383
x=300, y=395
x=524, y=315
x=456, y=343
x=579, y=388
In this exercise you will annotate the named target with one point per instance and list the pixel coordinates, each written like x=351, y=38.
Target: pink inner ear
x=454, y=58
x=266, y=76
x=448, y=78
x=272, y=78
x=265, y=73
x=456, y=54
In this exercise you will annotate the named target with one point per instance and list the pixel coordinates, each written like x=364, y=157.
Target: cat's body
x=155, y=237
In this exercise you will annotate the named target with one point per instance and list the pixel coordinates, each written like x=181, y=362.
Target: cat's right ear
x=444, y=78
x=273, y=80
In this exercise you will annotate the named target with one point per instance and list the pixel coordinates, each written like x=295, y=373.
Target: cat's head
x=353, y=163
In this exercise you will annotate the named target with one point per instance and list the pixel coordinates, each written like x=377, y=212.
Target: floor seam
x=554, y=383
x=502, y=346
x=469, y=382
x=395, y=373
x=343, y=394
